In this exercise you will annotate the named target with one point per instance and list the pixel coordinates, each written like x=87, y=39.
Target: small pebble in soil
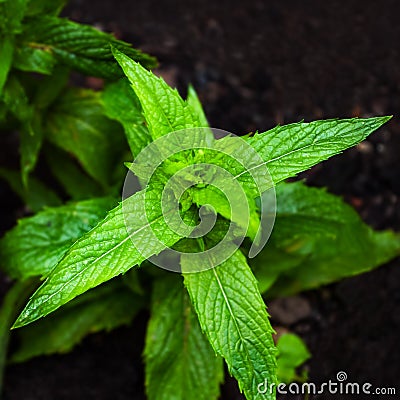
x=289, y=310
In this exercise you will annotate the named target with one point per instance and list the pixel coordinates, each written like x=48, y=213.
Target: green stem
x=12, y=304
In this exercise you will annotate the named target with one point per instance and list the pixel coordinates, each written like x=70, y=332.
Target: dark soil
x=256, y=64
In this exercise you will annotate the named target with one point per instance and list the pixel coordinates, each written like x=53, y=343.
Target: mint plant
x=92, y=260
x=34, y=39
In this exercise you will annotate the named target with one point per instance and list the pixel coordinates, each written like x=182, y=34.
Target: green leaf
x=79, y=46
x=6, y=56
x=31, y=133
x=122, y=105
x=37, y=243
x=248, y=221
x=11, y=15
x=320, y=239
x=31, y=138
x=34, y=59
x=50, y=88
x=77, y=124
x=132, y=281
x=233, y=316
x=164, y=109
x=3, y=115
x=11, y=305
x=36, y=196
x=290, y=149
x=104, y=309
x=271, y=262
x=16, y=99
x=292, y=352
x=103, y=253
x=195, y=104
x=73, y=179
x=44, y=7
x=180, y=363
